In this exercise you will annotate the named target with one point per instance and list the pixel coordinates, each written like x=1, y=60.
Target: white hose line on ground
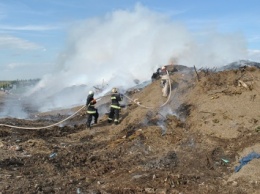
x=49, y=126
x=12, y=126
x=55, y=124
x=153, y=107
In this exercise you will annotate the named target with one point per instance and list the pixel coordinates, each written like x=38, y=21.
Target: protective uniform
x=165, y=82
x=90, y=97
x=114, y=107
x=156, y=75
x=91, y=110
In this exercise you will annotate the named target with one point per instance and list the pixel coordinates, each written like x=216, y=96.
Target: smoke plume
x=127, y=45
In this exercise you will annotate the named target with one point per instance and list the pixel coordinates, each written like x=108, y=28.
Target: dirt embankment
x=191, y=145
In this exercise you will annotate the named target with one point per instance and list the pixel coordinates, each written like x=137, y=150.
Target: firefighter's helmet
x=91, y=92
x=114, y=90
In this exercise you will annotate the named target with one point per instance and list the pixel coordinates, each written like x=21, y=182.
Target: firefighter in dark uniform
x=90, y=97
x=114, y=107
x=91, y=110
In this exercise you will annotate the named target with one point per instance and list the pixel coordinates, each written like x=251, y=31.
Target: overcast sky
x=37, y=36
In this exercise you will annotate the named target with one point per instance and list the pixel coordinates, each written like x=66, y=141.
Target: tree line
x=6, y=85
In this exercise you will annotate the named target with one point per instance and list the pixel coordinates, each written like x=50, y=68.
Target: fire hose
x=52, y=125
x=153, y=107
x=55, y=124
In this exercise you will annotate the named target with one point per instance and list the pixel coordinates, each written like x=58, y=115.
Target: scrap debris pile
x=192, y=145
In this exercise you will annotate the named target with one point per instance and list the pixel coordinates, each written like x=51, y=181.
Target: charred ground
x=178, y=148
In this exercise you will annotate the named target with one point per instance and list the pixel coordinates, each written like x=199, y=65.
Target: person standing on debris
x=91, y=110
x=156, y=75
x=165, y=81
x=115, y=106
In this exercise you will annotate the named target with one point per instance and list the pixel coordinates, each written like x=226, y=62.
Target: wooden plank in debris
x=198, y=77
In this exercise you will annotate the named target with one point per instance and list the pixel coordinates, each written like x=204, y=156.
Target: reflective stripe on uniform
x=113, y=97
x=91, y=112
x=115, y=106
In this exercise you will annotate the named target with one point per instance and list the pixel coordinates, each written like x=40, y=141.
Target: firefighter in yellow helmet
x=115, y=106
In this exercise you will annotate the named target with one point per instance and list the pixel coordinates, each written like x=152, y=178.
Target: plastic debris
x=53, y=155
x=246, y=159
x=241, y=83
x=224, y=160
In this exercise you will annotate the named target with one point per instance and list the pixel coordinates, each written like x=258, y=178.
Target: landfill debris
x=241, y=83
x=247, y=159
x=224, y=160
x=53, y=155
x=257, y=129
x=137, y=101
x=15, y=148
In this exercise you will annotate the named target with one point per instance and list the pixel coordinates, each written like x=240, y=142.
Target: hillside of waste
x=192, y=144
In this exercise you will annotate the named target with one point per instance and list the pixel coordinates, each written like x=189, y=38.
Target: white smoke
x=126, y=45
x=13, y=108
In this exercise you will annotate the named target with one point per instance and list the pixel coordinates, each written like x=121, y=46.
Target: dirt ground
x=190, y=145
